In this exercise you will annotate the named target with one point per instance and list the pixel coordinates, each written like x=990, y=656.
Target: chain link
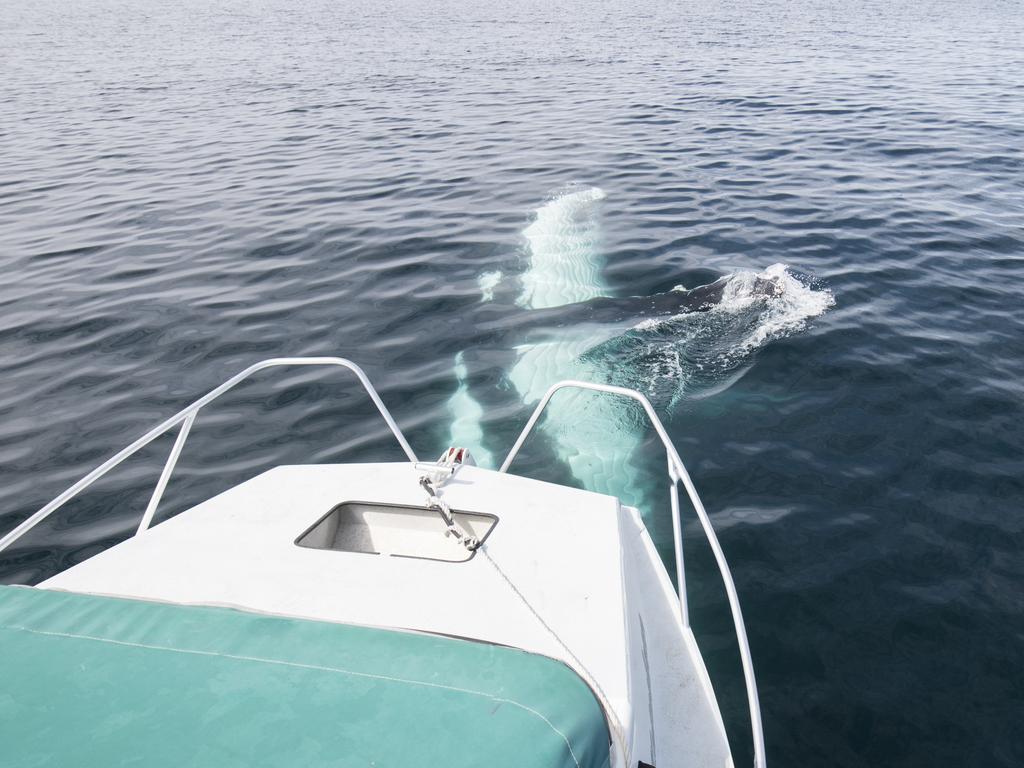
x=452, y=528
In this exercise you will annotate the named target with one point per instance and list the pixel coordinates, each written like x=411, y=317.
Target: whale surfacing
x=564, y=268
x=571, y=327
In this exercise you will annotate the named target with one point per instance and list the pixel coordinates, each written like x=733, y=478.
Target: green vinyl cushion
x=97, y=682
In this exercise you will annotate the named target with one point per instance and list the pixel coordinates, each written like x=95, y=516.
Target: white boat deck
x=562, y=569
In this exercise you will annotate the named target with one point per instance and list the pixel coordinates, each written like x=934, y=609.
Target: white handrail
x=677, y=473
x=186, y=417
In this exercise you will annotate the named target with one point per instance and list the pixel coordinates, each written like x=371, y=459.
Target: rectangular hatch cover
x=396, y=530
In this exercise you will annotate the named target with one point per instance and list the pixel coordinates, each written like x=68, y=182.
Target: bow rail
x=186, y=418
x=677, y=473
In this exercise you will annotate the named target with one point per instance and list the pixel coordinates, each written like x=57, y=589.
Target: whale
x=635, y=309
x=566, y=323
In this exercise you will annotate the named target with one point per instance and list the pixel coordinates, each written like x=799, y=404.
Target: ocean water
x=188, y=188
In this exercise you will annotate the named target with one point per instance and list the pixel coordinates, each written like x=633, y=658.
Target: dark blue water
x=188, y=188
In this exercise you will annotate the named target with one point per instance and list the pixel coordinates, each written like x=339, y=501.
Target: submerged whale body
x=567, y=325
x=609, y=309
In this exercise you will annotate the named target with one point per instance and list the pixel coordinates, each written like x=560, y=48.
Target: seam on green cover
x=299, y=665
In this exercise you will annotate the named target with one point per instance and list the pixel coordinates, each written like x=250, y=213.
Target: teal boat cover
x=96, y=682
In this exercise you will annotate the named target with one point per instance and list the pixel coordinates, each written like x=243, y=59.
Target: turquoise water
x=185, y=190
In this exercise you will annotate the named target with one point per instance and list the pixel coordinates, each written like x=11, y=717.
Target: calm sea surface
x=187, y=188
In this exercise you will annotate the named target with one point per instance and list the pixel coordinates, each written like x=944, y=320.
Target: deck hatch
x=394, y=529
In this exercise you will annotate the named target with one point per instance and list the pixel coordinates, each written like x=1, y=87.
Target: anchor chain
x=436, y=476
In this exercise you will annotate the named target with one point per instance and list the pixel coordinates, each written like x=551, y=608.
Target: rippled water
x=188, y=188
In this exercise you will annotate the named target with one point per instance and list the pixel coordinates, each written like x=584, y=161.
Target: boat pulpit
x=408, y=613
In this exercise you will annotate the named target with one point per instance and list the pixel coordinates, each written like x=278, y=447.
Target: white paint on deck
x=580, y=562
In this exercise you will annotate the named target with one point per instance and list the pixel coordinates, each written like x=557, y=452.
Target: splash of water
x=797, y=302
x=694, y=355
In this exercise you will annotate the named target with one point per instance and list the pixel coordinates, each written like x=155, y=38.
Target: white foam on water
x=789, y=311
x=706, y=352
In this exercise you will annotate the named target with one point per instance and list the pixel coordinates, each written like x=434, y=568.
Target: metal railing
x=676, y=472
x=186, y=418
